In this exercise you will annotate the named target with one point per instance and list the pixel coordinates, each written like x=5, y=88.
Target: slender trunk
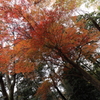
x=84, y=73
x=11, y=97
x=95, y=24
x=11, y=86
x=4, y=93
x=59, y=92
x=63, y=97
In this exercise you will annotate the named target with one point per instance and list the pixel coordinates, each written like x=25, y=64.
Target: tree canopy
x=32, y=34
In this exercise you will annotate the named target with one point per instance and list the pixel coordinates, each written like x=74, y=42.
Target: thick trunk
x=84, y=73
x=4, y=93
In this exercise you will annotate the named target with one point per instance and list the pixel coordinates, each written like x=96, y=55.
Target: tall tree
x=30, y=36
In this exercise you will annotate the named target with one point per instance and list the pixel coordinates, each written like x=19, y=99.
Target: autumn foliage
x=29, y=36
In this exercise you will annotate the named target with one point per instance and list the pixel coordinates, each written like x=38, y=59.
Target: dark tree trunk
x=95, y=24
x=4, y=93
x=11, y=86
x=84, y=73
x=59, y=92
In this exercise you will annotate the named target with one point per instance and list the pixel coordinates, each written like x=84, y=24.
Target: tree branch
x=63, y=97
x=95, y=24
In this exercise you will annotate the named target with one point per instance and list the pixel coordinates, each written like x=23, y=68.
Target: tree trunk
x=84, y=73
x=11, y=91
x=4, y=93
x=11, y=86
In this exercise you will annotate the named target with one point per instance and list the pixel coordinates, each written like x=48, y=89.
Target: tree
x=34, y=36
x=80, y=89
x=69, y=50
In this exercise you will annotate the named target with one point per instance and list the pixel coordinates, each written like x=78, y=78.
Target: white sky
x=87, y=10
